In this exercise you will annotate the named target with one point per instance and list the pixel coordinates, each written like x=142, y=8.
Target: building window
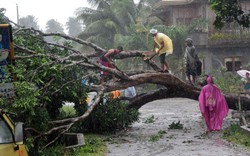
x=233, y=63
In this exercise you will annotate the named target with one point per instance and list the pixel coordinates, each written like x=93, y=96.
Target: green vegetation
x=158, y=136
x=45, y=82
x=223, y=36
x=67, y=111
x=237, y=135
x=94, y=146
x=227, y=82
x=109, y=116
x=150, y=119
x=176, y=125
x=54, y=151
x=228, y=11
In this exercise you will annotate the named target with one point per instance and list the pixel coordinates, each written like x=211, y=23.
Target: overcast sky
x=43, y=10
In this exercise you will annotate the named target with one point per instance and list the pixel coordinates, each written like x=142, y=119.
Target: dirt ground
x=189, y=141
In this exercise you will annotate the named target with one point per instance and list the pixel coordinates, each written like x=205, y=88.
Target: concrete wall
x=213, y=57
x=212, y=52
x=200, y=39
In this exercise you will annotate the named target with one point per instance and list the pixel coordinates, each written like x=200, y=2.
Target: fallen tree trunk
x=140, y=100
x=239, y=114
x=174, y=88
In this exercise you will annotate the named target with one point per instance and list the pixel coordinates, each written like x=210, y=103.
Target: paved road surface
x=190, y=141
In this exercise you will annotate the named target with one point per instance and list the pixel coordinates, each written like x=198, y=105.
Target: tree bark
x=140, y=100
x=174, y=88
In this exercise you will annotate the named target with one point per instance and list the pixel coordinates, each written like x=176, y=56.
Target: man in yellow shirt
x=165, y=47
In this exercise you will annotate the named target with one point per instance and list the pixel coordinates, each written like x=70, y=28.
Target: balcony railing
x=229, y=37
x=204, y=38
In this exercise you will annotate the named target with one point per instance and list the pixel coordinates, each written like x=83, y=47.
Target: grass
x=94, y=146
x=237, y=136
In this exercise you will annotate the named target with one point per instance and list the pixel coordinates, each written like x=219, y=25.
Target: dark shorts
x=162, y=58
x=189, y=71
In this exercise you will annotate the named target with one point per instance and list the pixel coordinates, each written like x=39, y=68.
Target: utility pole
x=17, y=12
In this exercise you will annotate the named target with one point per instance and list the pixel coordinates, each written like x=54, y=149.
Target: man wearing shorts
x=190, y=58
x=165, y=47
x=105, y=60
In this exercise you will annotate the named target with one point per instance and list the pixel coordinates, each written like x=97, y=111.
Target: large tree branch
x=82, y=117
x=175, y=87
x=67, y=123
x=67, y=127
x=138, y=78
x=94, y=46
x=140, y=100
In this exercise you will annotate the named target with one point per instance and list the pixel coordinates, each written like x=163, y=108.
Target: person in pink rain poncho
x=213, y=105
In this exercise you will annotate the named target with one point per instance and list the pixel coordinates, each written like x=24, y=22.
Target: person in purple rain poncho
x=213, y=106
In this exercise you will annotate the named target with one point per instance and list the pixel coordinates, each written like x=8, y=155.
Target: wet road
x=189, y=141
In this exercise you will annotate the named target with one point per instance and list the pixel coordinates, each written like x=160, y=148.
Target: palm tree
x=110, y=18
x=73, y=27
x=53, y=26
x=29, y=21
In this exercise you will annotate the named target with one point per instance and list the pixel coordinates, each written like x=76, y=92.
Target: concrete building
x=229, y=47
